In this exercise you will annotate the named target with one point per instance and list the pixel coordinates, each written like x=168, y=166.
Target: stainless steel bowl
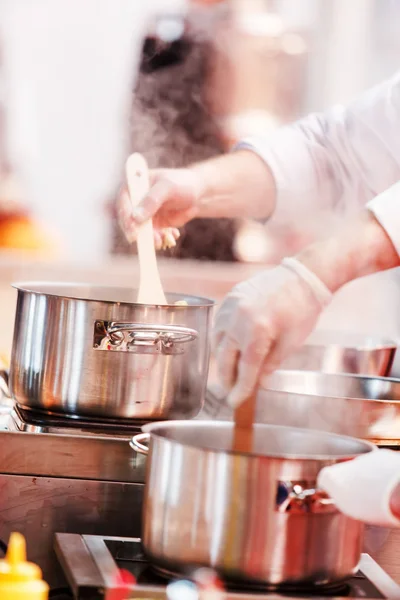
x=340, y=352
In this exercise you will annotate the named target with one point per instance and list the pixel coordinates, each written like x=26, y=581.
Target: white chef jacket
x=340, y=161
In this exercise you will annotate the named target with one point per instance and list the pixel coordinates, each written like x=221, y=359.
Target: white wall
x=69, y=69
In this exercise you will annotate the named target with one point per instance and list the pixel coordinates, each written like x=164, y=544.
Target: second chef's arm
x=366, y=244
x=337, y=160
x=264, y=319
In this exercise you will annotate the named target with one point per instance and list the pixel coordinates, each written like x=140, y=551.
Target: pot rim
x=324, y=339
x=151, y=429
x=267, y=386
x=33, y=287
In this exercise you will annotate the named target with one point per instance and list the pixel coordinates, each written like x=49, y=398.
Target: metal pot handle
x=141, y=338
x=296, y=497
x=136, y=443
x=4, y=385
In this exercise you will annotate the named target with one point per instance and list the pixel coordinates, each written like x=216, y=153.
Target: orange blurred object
x=21, y=232
x=18, y=230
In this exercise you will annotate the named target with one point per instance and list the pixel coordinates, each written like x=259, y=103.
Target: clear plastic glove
x=262, y=321
x=171, y=202
x=363, y=488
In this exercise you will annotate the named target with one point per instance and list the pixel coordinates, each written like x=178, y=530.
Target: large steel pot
x=340, y=352
x=252, y=517
x=362, y=407
x=88, y=350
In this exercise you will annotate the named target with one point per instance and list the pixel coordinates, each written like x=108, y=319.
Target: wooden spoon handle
x=243, y=433
x=150, y=287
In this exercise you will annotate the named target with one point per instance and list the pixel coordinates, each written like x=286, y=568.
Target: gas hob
x=91, y=564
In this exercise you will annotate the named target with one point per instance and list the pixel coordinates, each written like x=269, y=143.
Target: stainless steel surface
x=339, y=352
x=34, y=421
x=77, y=482
x=77, y=563
x=38, y=507
x=55, y=367
x=363, y=407
x=88, y=457
x=191, y=518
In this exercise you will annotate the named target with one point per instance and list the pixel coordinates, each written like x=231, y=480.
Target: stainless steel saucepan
x=278, y=530
x=93, y=351
x=362, y=407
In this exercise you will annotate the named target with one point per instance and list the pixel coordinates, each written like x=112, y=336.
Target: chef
x=347, y=161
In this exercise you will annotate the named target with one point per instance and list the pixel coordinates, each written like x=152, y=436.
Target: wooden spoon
x=150, y=287
x=242, y=443
x=243, y=433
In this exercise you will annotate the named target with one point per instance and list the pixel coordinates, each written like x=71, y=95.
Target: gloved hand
x=171, y=202
x=262, y=321
x=362, y=488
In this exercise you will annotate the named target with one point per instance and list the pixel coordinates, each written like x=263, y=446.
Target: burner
x=126, y=553
x=40, y=421
x=341, y=589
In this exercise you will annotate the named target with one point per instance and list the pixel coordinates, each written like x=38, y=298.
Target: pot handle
x=136, y=443
x=141, y=337
x=4, y=388
x=296, y=497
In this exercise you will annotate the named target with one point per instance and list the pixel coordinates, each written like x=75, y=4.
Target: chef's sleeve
x=337, y=160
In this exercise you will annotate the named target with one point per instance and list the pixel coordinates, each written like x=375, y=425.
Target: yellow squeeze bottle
x=19, y=579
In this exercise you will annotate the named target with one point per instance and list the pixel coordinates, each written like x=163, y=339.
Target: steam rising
x=173, y=126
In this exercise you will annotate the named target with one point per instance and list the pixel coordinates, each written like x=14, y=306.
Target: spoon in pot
x=242, y=443
x=150, y=287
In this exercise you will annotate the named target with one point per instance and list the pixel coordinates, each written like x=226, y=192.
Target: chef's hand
x=366, y=488
x=215, y=188
x=171, y=202
x=262, y=321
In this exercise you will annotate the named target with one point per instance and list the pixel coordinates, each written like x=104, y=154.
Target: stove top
x=90, y=564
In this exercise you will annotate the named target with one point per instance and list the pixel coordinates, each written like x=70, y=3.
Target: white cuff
x=293, y=169
x=319, y=289
x=362, y=488
x=386, y=209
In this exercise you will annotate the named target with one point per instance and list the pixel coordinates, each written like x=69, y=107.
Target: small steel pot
x=257, y=517
x=92, y=351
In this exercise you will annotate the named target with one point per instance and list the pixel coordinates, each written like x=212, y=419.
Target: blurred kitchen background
x=84, y=84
